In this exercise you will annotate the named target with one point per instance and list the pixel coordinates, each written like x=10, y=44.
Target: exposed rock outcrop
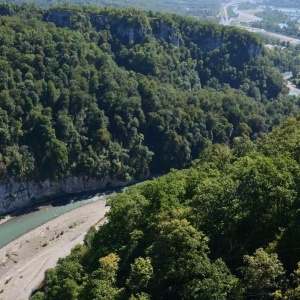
x=138, y=30
x=61, y=18
x=126, y=32
x=167, y=32
x=255, y=50
x=16, y=194
x=99, y=22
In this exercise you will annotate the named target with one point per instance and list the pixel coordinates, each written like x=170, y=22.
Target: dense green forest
x=286, y=59
x=227, y=228
x=126, y=93
x=201, y=9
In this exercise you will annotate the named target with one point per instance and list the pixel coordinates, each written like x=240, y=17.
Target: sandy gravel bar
x=24, y=261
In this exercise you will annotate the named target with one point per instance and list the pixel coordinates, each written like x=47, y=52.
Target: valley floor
x=24, y=261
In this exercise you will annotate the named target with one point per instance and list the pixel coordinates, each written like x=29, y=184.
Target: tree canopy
x=222, y=229
x=124, y=93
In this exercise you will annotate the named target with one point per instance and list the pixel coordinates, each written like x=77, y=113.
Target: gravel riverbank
x=24, y=260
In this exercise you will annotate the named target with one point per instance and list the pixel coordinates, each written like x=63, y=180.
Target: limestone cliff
x=127, y=32
x=139, y=29
x=15, y=194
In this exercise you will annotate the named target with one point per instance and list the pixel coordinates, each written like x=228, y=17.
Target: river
x=19, y=225
x=244, y=19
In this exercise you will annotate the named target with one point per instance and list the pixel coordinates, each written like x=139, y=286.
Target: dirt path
x=24, y=261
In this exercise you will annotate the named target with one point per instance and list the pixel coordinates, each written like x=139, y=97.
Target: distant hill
x=202, y=9
x=121, y=93
x=283, y=3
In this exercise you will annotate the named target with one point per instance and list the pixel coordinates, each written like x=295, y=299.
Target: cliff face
x=208, y=43
x=255, y=50
x=137, y=32
x=126, y=32
x=15, y=195
x=61, y=18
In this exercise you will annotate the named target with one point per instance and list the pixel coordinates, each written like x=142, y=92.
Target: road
x=275, y=35
x=226, y=21
x=293, y=90
x=224, y=15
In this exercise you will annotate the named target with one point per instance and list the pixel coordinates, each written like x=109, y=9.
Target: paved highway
x=224, y=15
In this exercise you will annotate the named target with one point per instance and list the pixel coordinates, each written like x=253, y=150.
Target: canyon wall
x=139, y=31
x=17, y=194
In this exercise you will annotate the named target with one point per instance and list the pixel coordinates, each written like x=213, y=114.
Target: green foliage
x=101, y=283
x=99, y=101
x=92, y=99
x=38, y=296
x=99, y=290
x=63, y=282
x=283, y=139
x=201, y=9
x=188, y=234
x=140, y=275
x=108, y=267
x=294, y=291
x=263, y=274
x=185, y=271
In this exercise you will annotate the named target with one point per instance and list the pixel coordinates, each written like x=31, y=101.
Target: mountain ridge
x=89, y=101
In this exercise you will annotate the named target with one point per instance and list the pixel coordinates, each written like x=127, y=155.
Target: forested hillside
x=201, y=9
x=126, y=92
x=227, y=228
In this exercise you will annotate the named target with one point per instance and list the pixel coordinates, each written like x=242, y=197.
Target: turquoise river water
x=19, y=225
